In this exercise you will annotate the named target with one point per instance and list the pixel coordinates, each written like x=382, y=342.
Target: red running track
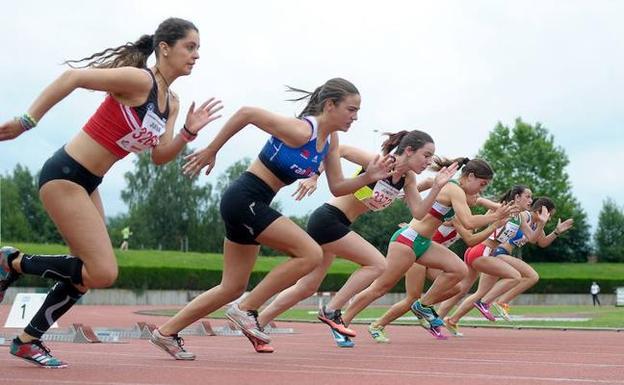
x=482, y=357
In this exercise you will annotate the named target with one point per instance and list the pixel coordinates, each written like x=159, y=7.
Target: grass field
x=211, y=261
x=597, y=317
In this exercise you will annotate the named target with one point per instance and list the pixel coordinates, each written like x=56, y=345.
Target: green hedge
x=171, y=270
x=171, y=278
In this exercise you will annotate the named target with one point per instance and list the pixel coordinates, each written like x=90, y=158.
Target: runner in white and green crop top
x=413, y=243
x=329, y=225
x=445, y=235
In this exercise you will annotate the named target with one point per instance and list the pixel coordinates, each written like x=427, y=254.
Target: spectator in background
x=595, y=290
x=125, y=233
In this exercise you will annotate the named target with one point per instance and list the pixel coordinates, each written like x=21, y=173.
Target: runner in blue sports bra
x=413, y=243
x=481, y=259
x=295, y=150
x=329, y=225
x=541, y=210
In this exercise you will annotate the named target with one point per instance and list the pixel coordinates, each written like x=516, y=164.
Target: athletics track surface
x=483, y=357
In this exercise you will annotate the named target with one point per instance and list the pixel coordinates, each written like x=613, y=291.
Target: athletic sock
x=59, y=300
x=63, y=268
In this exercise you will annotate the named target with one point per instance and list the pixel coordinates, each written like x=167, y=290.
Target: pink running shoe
x=334, y=321
x=437, y=333
x=484, y=308
x=259, y=345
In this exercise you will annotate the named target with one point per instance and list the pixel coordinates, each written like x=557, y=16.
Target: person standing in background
x=595, y=290
x=125, y=233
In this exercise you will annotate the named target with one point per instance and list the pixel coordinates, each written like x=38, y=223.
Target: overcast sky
x=451, y=68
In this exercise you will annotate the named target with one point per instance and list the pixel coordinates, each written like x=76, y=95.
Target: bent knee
x=533, y=279
x=102, y=279
x=310, y=256
x=458, y=271
x=378, y=268
x=232, y=292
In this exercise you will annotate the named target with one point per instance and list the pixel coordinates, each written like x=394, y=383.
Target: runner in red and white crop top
x=445, y=235
x=122, y=129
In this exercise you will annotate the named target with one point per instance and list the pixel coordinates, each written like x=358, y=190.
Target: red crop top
x=122, y=129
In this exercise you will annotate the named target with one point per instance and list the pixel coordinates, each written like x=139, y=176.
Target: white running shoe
x=247, y=321
x=173, y=345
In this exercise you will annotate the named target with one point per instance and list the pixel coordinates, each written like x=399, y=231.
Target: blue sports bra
x=292, y=163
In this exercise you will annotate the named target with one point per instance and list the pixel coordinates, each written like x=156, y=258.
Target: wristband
x=26, y=121
x=189, y=131
x=186, y=137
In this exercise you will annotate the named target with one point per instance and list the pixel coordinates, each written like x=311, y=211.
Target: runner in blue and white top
x=295, y=150
x=329, y=225
x=541, y=210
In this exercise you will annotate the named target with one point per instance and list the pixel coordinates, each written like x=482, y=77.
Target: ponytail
x=510, y=195
x=127, y=55
x=439, y=162
x=401, y=140
x=392, y=142
x=135, y=54
x=335, y=89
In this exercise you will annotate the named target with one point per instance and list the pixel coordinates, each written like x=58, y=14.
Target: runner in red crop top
x=122, y=129
x=138, y=113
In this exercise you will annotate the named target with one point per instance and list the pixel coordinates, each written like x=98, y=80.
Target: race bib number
x=508, y=232
x=147, y=136
x=382, y=196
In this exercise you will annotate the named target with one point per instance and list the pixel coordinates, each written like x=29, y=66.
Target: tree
x=528, y=155
x=164, y=205
x=609, y=235
x=167, y=209
x=23, y=214
x=377, y=227
x=13, y=221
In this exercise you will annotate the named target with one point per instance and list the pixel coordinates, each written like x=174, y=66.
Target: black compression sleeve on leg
x=60, y=299
x=65, y=268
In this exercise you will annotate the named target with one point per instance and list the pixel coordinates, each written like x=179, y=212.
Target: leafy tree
x=378, y=227
x=23, y=214
x=527, y=154
x=609, y=235
x=13, y=221
x=164, y=205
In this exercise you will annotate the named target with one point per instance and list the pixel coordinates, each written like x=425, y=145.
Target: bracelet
x=556, y=233
x=317, y=172
x=186, y=137
x=189, y=131
x=26, y=121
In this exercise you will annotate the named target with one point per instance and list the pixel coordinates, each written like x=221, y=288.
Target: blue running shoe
x=427, y=313
x=422, y=322
x=341, y=340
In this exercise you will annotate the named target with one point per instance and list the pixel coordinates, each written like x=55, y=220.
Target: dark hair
x=510, y=195
x=543, y=201
x=478, y=167
x=335, y=89
x=440, y=162
x=402, y=139
x=136, y=54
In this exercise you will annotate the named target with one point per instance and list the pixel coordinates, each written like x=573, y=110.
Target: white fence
x=619, y=296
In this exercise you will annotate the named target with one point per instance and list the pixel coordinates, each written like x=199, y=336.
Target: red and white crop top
x=122, y=129
x=445, y=235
